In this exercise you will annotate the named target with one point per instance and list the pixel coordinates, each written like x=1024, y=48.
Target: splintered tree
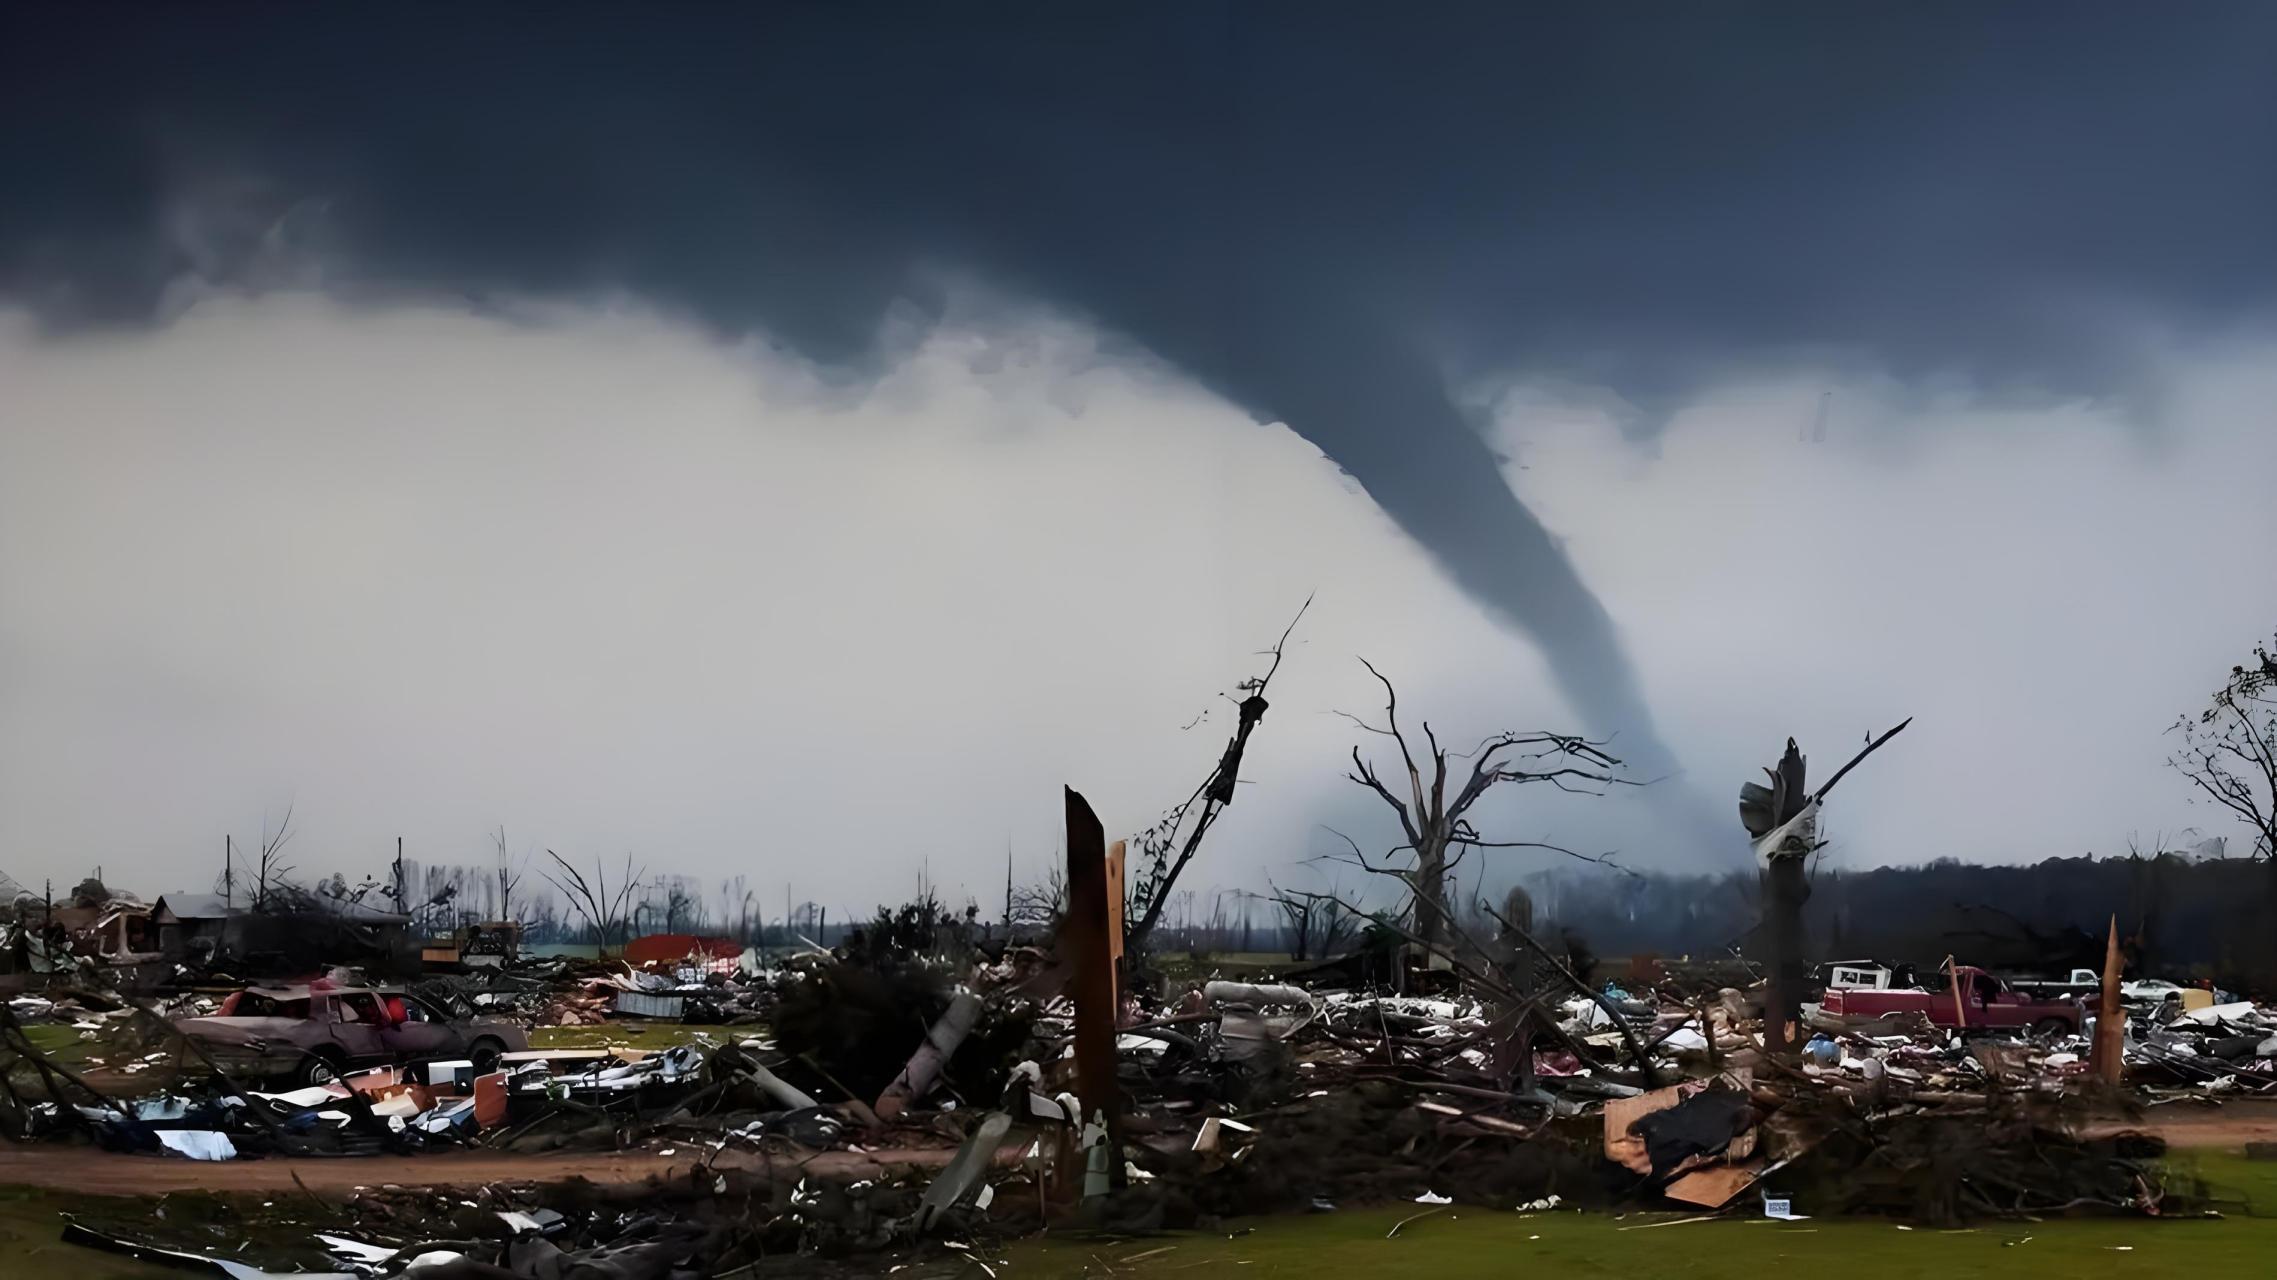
x=603, y=909
x=2229, y=750
x=1437, y=826
x=1782, y=820
x=1164, y=849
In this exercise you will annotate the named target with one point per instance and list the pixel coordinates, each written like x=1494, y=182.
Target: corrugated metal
x=641, y=1004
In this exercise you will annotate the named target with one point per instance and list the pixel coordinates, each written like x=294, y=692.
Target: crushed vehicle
x=313, y=1033
x=1971, y=1000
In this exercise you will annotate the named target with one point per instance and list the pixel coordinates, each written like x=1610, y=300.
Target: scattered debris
x=973, y=1090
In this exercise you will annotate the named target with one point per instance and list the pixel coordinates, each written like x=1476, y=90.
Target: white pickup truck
x=2086, y=984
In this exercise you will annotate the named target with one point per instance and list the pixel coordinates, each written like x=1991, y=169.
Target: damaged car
x=314, y=1033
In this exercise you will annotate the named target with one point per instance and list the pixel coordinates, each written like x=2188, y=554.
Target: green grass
x=58, y=1040
x=63, y=1044
x=1456, y=1243
x=633, y=1035
x=31, y=1230
x=1452, y=1244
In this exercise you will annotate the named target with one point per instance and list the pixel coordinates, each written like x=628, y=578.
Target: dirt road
x=2232, y=1124
x=2184, y=1125
x=108, y=1173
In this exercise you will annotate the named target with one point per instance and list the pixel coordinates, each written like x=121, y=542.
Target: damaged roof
x=192, y=906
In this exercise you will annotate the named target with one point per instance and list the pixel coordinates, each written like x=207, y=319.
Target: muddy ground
x=94, y=1172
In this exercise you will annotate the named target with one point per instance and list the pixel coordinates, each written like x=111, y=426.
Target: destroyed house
x=185, y=919
x=123, y=930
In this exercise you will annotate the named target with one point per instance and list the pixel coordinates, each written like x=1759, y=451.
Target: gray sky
x=800, y=444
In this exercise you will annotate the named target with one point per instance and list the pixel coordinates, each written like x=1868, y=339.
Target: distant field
x=1180, y=966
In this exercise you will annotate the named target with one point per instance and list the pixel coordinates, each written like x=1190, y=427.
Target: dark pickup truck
x=1971, y=1000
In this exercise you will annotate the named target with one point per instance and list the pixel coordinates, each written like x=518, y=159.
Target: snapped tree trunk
x=1789, y=890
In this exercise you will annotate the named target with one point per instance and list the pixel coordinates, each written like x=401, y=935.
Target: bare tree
x=542, y=924
x=733, y=909
x=440, y=889
x=1438, y=830
x=680, y=904
x=2229, y=750
x=1214, y=930
x=509, y=876
x=604, y=911
x=1165, y=848
x=398, y=879
x=1038, y=906
x=1317, y=922
x=270, y=872
x=1297, y=912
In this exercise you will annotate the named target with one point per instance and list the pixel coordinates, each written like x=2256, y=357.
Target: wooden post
x=1115, y=922
x=2110, y=1025
x=1084, y=943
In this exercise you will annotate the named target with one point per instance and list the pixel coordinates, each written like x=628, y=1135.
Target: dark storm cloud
x=1316, y=210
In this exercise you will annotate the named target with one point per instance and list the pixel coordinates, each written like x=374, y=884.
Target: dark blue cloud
x=1315, y=208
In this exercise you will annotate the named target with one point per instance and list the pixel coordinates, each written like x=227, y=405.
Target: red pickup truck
x=1984, y=1002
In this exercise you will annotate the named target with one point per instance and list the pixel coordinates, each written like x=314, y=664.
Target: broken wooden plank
x=1715, y=1186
